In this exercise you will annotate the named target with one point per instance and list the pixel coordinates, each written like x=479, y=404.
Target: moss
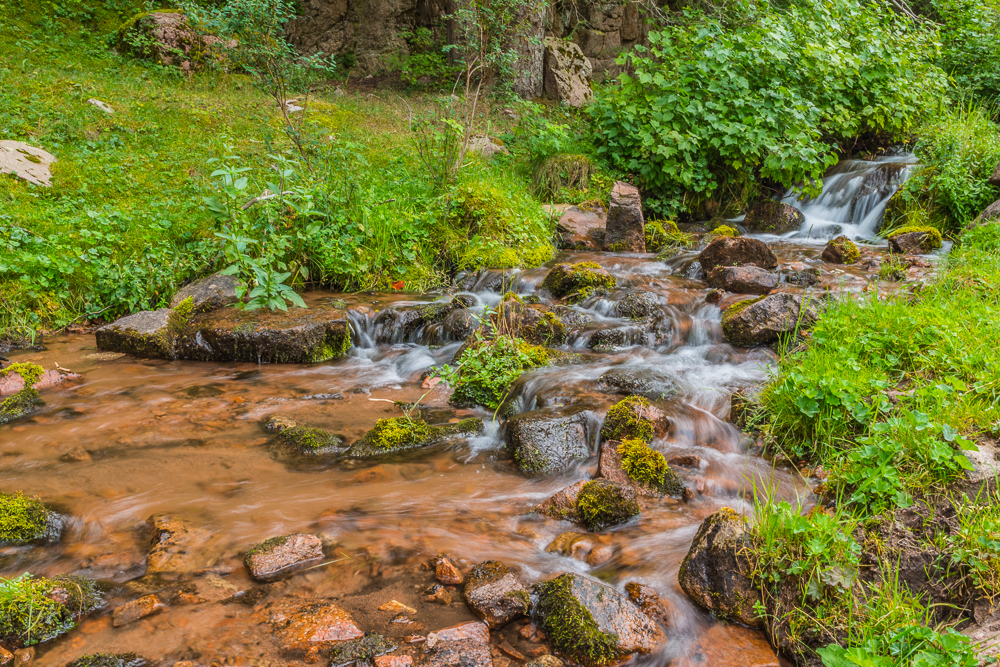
x=550, y=330
x=847, y=249
x=739, y=307
x=931, y=241
x=361, y=651
x=22, y=519
x=35, y=609
x=602, y=503
x=110, y=660
x=571, y=627
x=723, y=230
x=649, y=467
x=578, y=281
x=178, y=319
x=21, y=404
x=619, y=247
x=627, y=420
x=30, y=373
x=398, y=433
x=307, y=440
x=662, y=234
x=264, y=547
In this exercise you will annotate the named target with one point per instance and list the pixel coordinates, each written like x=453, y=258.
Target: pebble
x=136, y=609
x=393, y=661
x=437, y=594
x=5, y=656
x=24, y=656
x=446, y=572
x=397, y=606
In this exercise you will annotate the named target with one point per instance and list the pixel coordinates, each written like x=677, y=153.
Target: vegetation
x=22, y=519
x=36, y=609
x=579, y=281
x=571, y=626
x=25, y=400
x=628, y=419
x=485, y=371
x=649, y=467
x=662, y=234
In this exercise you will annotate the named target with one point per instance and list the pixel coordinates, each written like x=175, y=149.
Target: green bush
x=488, y=367
x=970, y=52
x=710, y=110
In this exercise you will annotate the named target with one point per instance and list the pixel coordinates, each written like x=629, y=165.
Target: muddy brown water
x=136, y=437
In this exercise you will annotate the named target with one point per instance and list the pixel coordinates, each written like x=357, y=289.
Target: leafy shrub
x=771, y=98
x=427, y=62
x=970, y=52
x=914, y=646
x=488, y=367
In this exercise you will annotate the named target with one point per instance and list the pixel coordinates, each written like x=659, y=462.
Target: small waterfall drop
x=855, y=194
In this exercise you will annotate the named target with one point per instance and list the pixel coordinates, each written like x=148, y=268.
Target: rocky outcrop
x=841, y=250
x=773, y=217
x=567, y=73
x=547, y=441
x=280, y=556
x=737, y=251
x=765, y=320
x=591, y=623
x=743, y=279
x=495, y=594
x=715, y=573
x=215, y=291
x=625, y=230
x=166, y=38
x=577, y=282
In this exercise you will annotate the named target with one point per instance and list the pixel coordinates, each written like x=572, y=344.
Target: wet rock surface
x=773, y=217
x=143, y=334
x=302, y=625
x=743, y=279
x=625, y=228
x=548, y=441
x=737, y=251
x=581, y=228
x=464, y=645
x=280, y=556
x=841, y=250
x=215, y=291
x=764, y=321
x=495, y=594
x=638, y=381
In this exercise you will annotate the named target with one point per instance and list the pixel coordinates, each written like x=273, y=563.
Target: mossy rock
x=841, y=250
x=515, y=318
x=577, y=282
x=36, y=609
x=25, y=520
x=361, y=651
x=20, y=405
x=722, y=230
x=398, y=434
x=629, y=419
x=930, y=241
x=602, y=504
x=110, y=660
x=662, y=234
x=637, y=304
x=648, y=467
x=311, y=441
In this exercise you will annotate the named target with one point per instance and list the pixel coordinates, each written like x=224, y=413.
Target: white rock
x=100, y=105
x=27, y=162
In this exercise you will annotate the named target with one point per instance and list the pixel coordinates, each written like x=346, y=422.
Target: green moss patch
x=398, y=434
x=26, y=401
x=932, y=240
x=307, y=440
x=485, y=371
x=577, y=282
x=649, y=467
x=361, y=651
x=739, y=307
x=22, y=519
x=267, y=546
x=662, y=234
x=35, y=609
x=602, y=503
x=570, y=625
x=627, y=420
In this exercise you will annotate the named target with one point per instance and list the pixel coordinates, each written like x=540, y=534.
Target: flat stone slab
x=26, y=162
x=142, y=334
x=215, y=291
x=283, y=555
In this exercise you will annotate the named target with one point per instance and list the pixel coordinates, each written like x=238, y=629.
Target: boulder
x=464, y=645
x=715, y=572
x=634, y=418
x=743, y=279
x=637, y=304
x=562, y=504
x=638, y=381
x=303, y=625
x=143, y=334
x=607, y=337
x=399, y=434
x=279, y=556
x=603, y=503
x=25, y=520
x=804, y=277
x=460, y=324
x=994, y=180
x=591, y=623
x=486, y=146
x=914, y=240
x=841, y=250
x=166, y=38
x=737, y=251
x=12, y=383
x=764, y=320
x=26, y=162
x=495, y=594
x=640, y=467
x=578, y=281
x=990, y=214
x=581, y=228
x=215, y=291
x=567, y=73
x=625, y=230
x=547, y=441
x=773, y=217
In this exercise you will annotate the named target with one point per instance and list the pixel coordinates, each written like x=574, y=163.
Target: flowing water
x=135, y=438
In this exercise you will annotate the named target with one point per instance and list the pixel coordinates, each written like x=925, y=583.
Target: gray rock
x=615, y=337
x=773, y=217
x=547, y=441
x=567, y=73
x=625, y=227
x=143, y=334
x=460, y=324
x=26, y=162
x=736, y=251
x=280, y=556
x=571, y=606
x=764, y=320
x=804, y=277
x=215, y=291
x=637, y=304
x=715, y=574
x=994, y=180
x=495, y=594
x=641, y=381
x=743, y=279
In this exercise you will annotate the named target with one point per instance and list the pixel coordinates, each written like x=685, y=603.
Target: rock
x=653, y=476
x=486, y=146
x=581, y=228
x=101, y=105
x=279, y=556
x=437, y=594
x=638, y=381
x=764, y=320
x=310, y=441
x=994, y=180
x=602, y=504
x=914, y=240
x=13, y=382
x=393, y=661
x=546, y=441
x=5, y=657
x=567, y=73
x=585, y=547
x=113, y=660
x=215, y=291
x=687, y=461
x=578, y=281
x=634, y=418
x=23, y=657
x=69, y=598
x=446, y=572
x=143, y=334
x=773, y=217
x=572, y=318
x=637, y=304
x=625, y=228
x=562, y=504
x=729, y=645
x=737, y=251
x=743, y=279
x=520, y=320
x=399, y=434
x=592, y=623
x=304, y=624
x=990, y=214
x=166, y=38
x=299, y=335
x=546, y=661
x=495, y=594
x=26, y=162
x=464, y=645
x=715, y=573
x=136, y=609
x=174, y=545
x=841, y=250
x=650, y=602
x=460, y=324
x=608, y=338
x=361, y=651
x=805, y=277
x=26, y=520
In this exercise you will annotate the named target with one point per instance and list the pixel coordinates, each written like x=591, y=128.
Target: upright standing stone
x=567, y=73
x=625, y=229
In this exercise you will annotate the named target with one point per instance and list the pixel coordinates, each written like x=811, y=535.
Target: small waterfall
x=854, y=197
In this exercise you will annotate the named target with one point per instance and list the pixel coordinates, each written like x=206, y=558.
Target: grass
x=125, y=222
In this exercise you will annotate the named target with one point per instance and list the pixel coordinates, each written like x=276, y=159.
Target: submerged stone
x=301, y=625
x=310, y=441
x=495, y=593
x=174, y=546
x=765, y=320
x=463, y=645
x=361, y=651
x=110, y=660
x=592, y=623
x=136, y=609
x=549, y=440
x=399, y=434
x=279, y=556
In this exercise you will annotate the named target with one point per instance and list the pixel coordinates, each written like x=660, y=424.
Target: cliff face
x=370, y=30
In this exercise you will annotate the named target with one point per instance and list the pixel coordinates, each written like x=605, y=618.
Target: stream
x=136, y=438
